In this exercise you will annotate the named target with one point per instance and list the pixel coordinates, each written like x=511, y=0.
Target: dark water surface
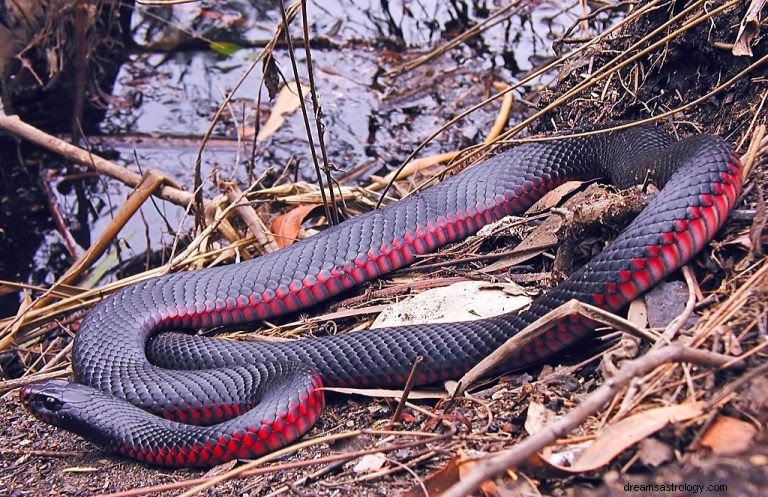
x=163, y=102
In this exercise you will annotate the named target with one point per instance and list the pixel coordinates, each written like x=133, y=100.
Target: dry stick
x=738, y=298
x=318, y=113
x=754, y=150
x=150, y=182
x=406, y=390
x=669, y=333
x=26, y=380
x=53, y=362
x=148, y=185
x=284, y=466
x=540, y=327
x=754, y=121
x=632, y=369
x=89, y=297
x=264, y=238
x=503, y=116
x=310, y=139
x=43, y=453
x=724, y=312
x=64, y=291
x=19, y=128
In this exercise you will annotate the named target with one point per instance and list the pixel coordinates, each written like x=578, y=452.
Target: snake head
x=58, y=402
x=44, y=399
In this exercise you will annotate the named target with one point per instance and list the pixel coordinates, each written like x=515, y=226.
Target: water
x=163, y=102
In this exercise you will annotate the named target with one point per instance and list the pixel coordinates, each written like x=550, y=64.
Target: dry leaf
x=441, y=480
x=554, y=197
x=622, y=435
x=370, y=463
x=538, y=418
x=464, y=301
x=728, y=436
x=545, y=235
x=286, y=102
x=665, y=302
x=286, y=226
x=749, y=29
x=653, y=452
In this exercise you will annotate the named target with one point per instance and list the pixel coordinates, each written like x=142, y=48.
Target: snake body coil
x=268, y=392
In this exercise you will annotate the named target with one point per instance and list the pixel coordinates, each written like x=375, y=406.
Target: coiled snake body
x=268, y=392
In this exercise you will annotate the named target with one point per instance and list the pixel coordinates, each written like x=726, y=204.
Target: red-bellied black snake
x=268, y=392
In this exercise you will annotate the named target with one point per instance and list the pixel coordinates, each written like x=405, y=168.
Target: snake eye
x=51, y=403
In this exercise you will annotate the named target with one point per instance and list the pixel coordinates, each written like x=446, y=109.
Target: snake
x=147, y=388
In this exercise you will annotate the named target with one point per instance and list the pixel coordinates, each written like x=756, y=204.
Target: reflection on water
x=163, y=101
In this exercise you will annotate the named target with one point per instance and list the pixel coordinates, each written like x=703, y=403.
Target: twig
x=318, y=113
x=42, y=453
x=17, y=127
x=283, y=466
x=303, y=105
x=264, y=239
x=406, y=390
x=677, y=324
x=541, y=326
x=34, y=378
x=241, y=470
x=58, y=218
x=597, y=399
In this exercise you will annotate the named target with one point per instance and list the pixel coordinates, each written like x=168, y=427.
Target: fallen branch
x=17, y=127
x=541, y=326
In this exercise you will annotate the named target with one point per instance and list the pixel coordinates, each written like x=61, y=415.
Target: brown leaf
x=286, y=226
x=749, y=29
x=728, y=436
x=554, y=197
x=622, y=435
x=653, y=452
x=538, y=418
x=665, y=302
x=441, y=480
